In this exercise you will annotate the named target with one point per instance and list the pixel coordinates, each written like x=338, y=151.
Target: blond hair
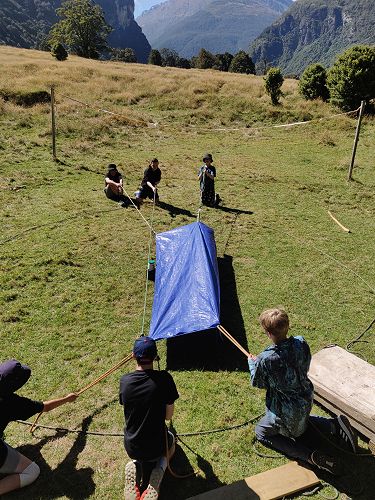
x=275, y=321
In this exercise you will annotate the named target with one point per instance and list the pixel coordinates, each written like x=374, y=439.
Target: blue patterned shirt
x=282, y=369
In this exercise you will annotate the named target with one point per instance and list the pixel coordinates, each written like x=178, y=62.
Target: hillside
x=73, y=288
x=315, y=31
x=25, y=23
x=217, y=25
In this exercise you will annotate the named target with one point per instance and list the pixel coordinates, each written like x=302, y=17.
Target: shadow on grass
x=180, y=489
x=173, y=211
x=209, y=349
x=233, y=210
x=65, y=480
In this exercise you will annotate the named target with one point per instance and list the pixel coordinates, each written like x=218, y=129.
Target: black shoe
x=347, y=437
x=217, y=200
x=325, y=462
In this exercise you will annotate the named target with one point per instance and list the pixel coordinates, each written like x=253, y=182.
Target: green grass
x=73, y=263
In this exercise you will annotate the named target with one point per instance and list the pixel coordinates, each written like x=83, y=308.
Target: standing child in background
x=18, y=470
x=206, y=176
x=114, y=186
x=148, y=188
x=282, y=369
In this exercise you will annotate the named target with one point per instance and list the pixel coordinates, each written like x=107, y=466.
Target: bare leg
x=12, y=482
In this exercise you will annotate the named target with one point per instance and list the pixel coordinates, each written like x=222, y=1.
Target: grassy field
x=73, y=263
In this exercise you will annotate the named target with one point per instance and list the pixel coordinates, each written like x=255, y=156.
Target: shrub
x=125, y=55
x=313, y=83
x=273, y=83
x=155, y=58
x=242, y=63
x=59, y=52
x=352, y=77
x=26, y=99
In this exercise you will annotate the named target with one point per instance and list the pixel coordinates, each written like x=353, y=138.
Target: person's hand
x=71, y=397
x=252, y=357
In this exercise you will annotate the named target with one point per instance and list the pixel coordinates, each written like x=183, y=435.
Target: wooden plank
x=269, y=485
x=344, y=383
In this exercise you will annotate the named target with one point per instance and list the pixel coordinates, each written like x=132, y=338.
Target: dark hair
x=112, y=166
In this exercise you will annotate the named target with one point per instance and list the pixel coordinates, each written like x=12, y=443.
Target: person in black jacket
x=148, y=188
x=19, y=471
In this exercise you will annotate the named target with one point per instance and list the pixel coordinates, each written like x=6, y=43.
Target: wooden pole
x=361, y=110
x=53, y=118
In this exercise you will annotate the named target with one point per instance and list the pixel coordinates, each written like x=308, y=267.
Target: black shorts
x=147, y=192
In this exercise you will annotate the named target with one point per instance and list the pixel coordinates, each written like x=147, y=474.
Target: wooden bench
x=270, y=485
x=345, y=384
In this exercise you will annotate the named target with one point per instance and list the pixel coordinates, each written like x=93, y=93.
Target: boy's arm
x=54, y=403
x=257, y=373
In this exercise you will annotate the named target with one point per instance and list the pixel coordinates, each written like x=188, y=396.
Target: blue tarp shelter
x=187, y=290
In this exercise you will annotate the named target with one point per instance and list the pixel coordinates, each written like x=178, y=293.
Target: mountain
x=24, y=23
x=142, y=5
x=315, y=31
x=217, y=25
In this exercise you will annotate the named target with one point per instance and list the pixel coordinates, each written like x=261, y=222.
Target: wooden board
x=345, y=384
x=269, y=485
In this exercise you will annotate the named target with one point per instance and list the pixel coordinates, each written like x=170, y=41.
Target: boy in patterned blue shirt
x=282, y=370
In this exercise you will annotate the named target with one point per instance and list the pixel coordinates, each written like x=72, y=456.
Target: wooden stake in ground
x=361, y=110
x=53, y=123
x=339, y=223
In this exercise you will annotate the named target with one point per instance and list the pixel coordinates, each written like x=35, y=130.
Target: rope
x=357, y=339
x=88, y=386
x=285, y=125
x=233, y=340
x=173, y=474
x=121, y=434
x=140, y=213
x=139, y=122
x=148, y=260
x=338, y=223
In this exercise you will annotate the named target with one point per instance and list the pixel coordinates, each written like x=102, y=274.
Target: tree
x=242, y=63
x=125, y=55
x=82, y=28
x=169, y=57
x=273, y=83
x=205, y=59
x=352, y=77
x=222, y=61
x=313, y=83
x=155, y=58
x=59, y=52
x=183, y=63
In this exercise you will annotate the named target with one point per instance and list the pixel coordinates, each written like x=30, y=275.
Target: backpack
x=13, y=375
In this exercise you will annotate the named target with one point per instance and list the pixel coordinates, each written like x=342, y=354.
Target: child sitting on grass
x=282, y=370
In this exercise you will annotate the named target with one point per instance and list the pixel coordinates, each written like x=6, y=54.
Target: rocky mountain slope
x=24, y=23
x=315, y=31
x=216, y=25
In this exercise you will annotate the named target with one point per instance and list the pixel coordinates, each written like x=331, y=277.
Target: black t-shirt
x=14, y=407
x=145, y=394
x=151, y=175
x=115, y=176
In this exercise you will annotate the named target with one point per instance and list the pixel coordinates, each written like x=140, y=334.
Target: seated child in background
x=19, y=471
x=114, y=186
x=282, y=370
x=148, y=188
x=206, y=176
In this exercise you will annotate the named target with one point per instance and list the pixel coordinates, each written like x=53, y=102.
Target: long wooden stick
x=233, y=340
x=339, y=223
x=91, y=384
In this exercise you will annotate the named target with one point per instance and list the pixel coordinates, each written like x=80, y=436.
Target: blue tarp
x=187, y=291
